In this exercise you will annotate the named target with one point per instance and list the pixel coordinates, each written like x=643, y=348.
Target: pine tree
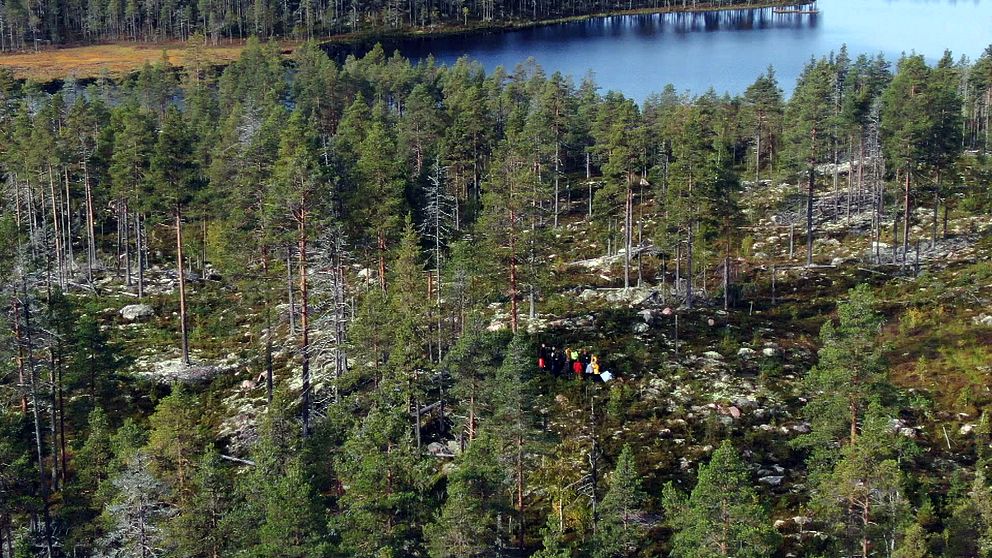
x=133, y=143
x=297, y=191
x=808, y=116
x=467, y=523
x=173, y=176
x=618, y=531
x=137, y=513
x=379, y=198
x=861, y=501
x=512, y=422
x=919, y=124
x=848, y=375
x=619, y=140
x=722, y=516
x=763, y=108
x=382, y=472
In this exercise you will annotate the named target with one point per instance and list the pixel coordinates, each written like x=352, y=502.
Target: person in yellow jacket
x=595, y=364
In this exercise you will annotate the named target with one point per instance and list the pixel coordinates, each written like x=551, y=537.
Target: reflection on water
x=726, y=50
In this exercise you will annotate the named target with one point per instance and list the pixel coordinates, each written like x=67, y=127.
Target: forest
x=295, y=308
x=31, y=24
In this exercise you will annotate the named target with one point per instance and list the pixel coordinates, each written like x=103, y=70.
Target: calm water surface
x=639, y=54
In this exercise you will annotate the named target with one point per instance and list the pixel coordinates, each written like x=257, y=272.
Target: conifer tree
x=137, y=513
x=407, y=360
x=174, y=179
x=467, y=523
x=722, y=516
x=808, y=117
x=618, y=531
x=861, y=501
x=297, y=190
x=512, y=422
x=176, y=439
x=763, y=108
x=848, y=376
x=379, y=198
x=914, y=543
x=470, y=363
x=907, y=128
x=619, y=140
x=382, y=511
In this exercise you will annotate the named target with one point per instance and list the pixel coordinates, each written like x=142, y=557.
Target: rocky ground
x=685, y=378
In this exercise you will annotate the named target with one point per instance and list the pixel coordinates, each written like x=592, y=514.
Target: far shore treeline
x=28, y=25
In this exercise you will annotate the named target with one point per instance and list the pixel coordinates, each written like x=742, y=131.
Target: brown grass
x=113, y=60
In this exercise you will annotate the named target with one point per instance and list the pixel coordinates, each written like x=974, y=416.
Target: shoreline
x=120, y=59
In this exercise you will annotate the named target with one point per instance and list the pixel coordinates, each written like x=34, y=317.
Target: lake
x=639, y=54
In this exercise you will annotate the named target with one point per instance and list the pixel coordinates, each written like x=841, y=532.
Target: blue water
x=639, y=54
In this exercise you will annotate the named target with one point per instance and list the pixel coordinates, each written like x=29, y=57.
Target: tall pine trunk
x=304, y=317
x=90, y=226
x=905, y=218
x=809, y=214
x=181, y=272
x=36, y=415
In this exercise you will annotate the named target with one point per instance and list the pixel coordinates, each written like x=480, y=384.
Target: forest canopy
x=306, y=308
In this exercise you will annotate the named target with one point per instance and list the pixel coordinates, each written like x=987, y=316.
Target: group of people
x=562, y=362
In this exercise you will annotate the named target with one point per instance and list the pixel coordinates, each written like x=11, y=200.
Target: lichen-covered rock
x=137, y=312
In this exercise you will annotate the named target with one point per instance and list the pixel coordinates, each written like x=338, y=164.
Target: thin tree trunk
x=726, y=282
x=513, y=276
x=627, y=218
x=905, y=225
x=90, y=226
x=304, y=318
x=57, y=232
x=21, y=359
x=33, y=376
x=71, y=259
x=382, y=260
x=289, y=292
x=809, y=215
x=936, y=211
x=688, y=266
x=520, y=491
x=181, y=273
x=140, y=252
x=125, y=239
